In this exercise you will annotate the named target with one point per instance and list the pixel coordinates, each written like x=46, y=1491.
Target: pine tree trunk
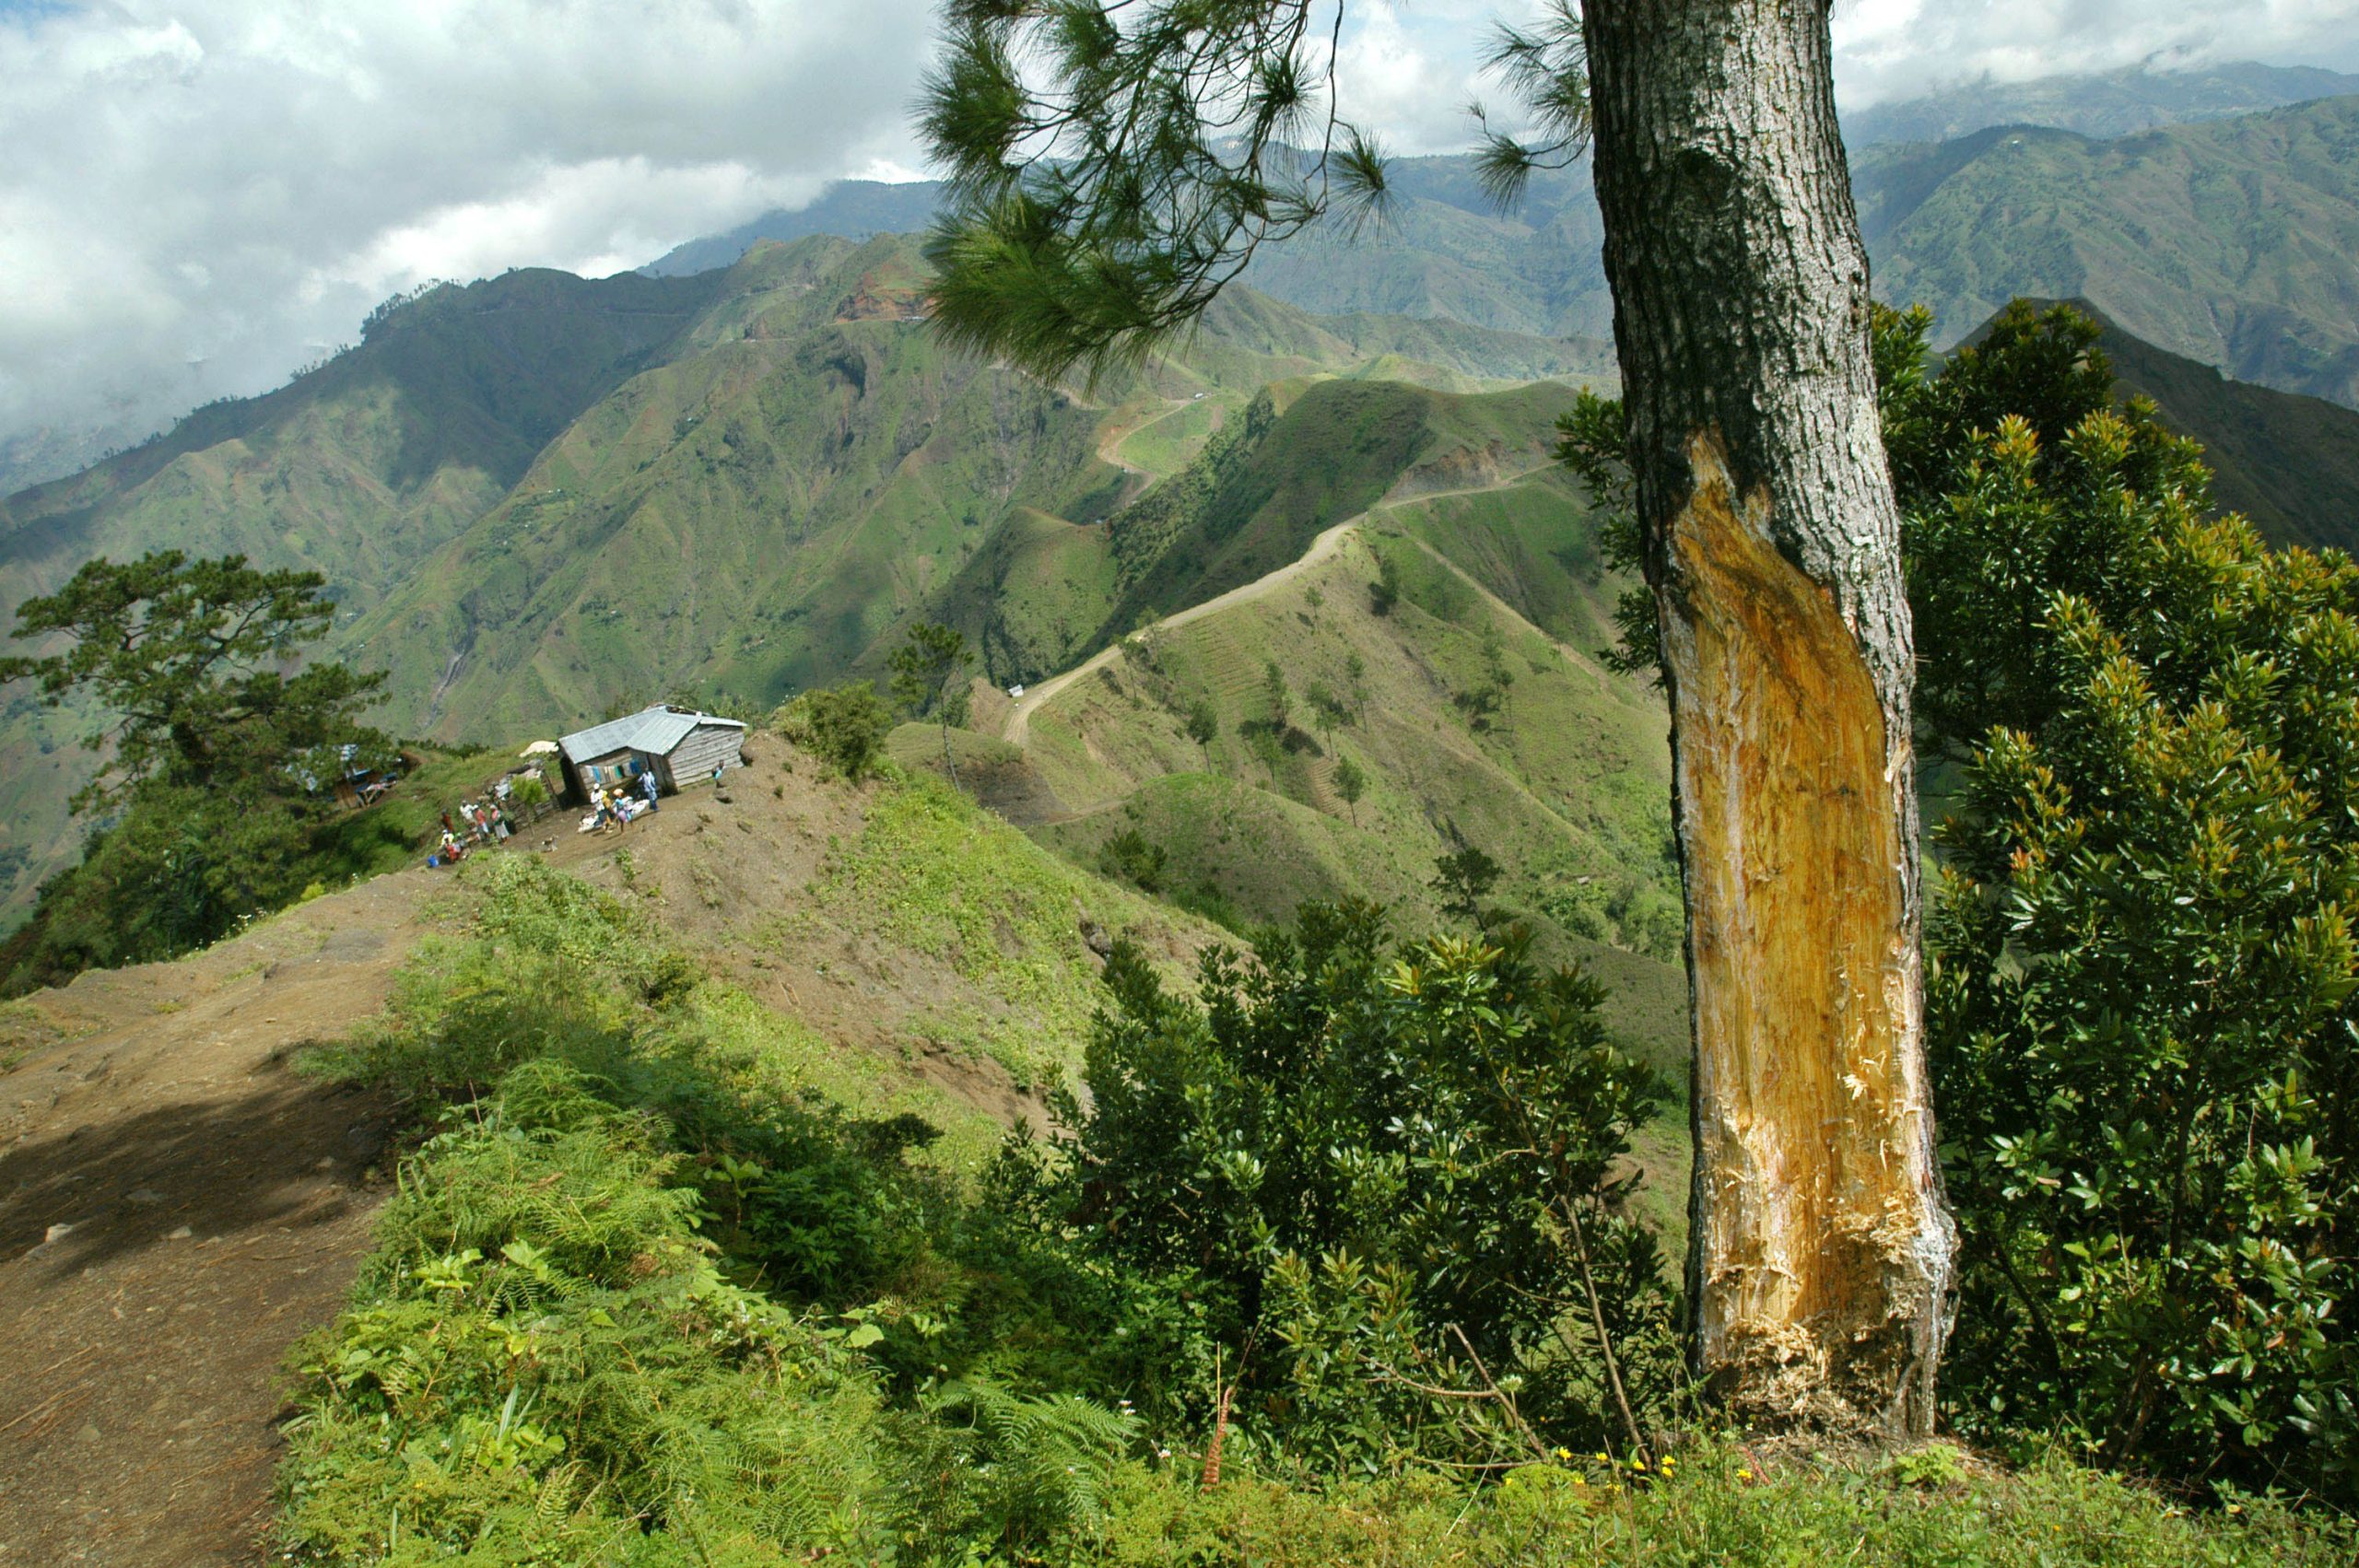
x=1820, y=1253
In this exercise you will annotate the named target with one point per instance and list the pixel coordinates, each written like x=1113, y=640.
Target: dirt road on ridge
x=1019, y=718
x=1018, y=724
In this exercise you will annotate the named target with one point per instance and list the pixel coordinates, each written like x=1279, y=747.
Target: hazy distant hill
x=2234, y=241
x=2112, y=103
x=2290, y=463
x=851, y=209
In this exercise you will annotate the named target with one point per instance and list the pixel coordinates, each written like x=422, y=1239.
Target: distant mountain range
x=2112, y=103
x=2230, y=241
x=2115, y=103
x=542, y=498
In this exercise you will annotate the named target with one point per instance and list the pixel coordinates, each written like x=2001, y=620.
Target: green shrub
x=637, y=1305
x=844, y=726
x=2145, y=982
x=1130, y=855
x=1371, y=1168
x=1203, y=724
x=543, y=1363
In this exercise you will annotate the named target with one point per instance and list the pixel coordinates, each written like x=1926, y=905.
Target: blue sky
x=196, y=197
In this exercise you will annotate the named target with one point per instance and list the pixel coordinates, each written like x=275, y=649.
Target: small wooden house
x=676, y=745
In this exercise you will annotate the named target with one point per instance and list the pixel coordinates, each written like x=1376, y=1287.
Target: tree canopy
x=1110, y=173
x=189, y=662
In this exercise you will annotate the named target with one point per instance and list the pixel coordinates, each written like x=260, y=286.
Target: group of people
x=612, y=811
x=479, y=823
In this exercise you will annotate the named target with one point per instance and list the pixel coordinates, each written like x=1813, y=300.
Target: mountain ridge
x=2229, y=239
x=540, y=496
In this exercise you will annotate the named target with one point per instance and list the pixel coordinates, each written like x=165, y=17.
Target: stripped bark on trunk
x=1820, y=1252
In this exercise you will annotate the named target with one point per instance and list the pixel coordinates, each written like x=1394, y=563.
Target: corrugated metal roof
x=652, y=729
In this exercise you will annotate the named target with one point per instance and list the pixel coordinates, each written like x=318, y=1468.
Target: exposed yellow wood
x=1819, y=1205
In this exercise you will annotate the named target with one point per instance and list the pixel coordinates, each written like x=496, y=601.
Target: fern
x=1037, y=1467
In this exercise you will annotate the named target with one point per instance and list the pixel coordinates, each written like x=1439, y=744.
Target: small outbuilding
x=676, y=745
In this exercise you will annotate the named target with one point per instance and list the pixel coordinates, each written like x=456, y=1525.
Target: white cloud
x=198, y=195
x=1890, y=49
x=1408, y=72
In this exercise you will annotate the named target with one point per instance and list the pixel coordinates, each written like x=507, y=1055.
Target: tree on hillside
x=925, y=663
x=1496, y=673
x=1202, y=724
x=1464, y=877
x=188, y=662
x=1277, y=698
x=1327, y=709
x=213, y=803
x=1108, y=187
x=1385, y=591
x=1126, y=170
x=1351, y=782
x=844, y=726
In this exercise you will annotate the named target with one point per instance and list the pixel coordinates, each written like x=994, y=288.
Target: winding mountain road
x=1019, y=718
x=1019, y=725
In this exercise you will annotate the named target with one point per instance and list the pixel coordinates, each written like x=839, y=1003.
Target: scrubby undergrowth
x=640, y=1301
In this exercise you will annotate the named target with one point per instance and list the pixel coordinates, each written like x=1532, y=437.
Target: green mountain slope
x=1565, y=782
x=2231, y=242
x=2289, y=463
x=369, y=463
x=1261, y=488
x=545, y=495
x=765, y=509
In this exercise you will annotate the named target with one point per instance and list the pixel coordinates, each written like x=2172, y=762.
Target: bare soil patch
x=176, y=1209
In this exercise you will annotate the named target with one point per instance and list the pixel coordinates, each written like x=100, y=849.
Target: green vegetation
x=640, y=1299
x=844, y=726
x=1399, y=1169
x=358, y=471
x=215, y=758
x=2144, y=969
x=1462, y=879
x=1129, y=856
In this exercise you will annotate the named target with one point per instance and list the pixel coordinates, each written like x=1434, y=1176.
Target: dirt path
x=1019, y=718
x=1019, y=725
x=176, y=1209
